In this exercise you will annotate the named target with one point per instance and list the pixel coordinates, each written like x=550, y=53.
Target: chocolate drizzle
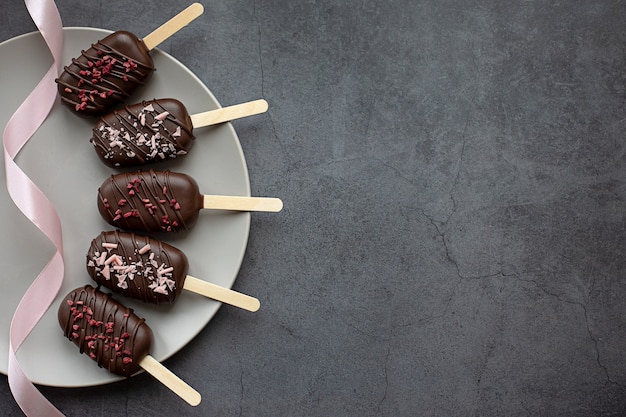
x=152, y=201
x=106, y=74
x=109, y=333
x=150, y=131
x=137, y=266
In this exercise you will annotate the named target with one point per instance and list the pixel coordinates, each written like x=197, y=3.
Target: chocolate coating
x=150, y=201
x=146, y=132
x=137, y=266
x=109, y=333
x=106, y=74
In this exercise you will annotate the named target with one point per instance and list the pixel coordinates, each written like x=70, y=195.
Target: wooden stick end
x=167, y=378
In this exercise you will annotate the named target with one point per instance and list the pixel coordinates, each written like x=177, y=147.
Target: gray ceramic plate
x=61, y=161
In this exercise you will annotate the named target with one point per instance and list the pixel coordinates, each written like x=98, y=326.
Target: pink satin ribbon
x=36, y=207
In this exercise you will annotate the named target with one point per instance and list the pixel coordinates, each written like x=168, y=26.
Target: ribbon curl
x=36, y=207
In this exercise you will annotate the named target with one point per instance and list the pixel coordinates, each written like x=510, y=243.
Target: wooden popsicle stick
x=238, y=203
x=176, y=23
x=222, y=294
x=167, y=378
x=226, y=114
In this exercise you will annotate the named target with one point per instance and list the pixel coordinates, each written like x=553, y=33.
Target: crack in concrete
x=241, y=394
x=260, y=38
x=597, y=349
x=442, y=234
x=587, y=326
x=386, y=375
x=262, y=70
x=458, y=173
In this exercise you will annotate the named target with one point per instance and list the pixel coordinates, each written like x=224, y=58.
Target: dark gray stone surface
x=452, y=242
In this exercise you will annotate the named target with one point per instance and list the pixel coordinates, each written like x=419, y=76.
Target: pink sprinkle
x=145, y=249
x=113, y=258
x=108, y=245
x=162, y=116
x=102, y=258
x=161, y=290
x=106, y=272
x=127, y=360
x=167, y=270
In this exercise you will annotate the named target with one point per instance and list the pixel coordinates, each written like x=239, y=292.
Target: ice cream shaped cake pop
x=106, y=331
x=165, y=201
x=151, y=271
x=107, y=73
x=115, y=337
x=157, y=130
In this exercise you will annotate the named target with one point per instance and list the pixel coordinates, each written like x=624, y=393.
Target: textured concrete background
x=452, y=242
